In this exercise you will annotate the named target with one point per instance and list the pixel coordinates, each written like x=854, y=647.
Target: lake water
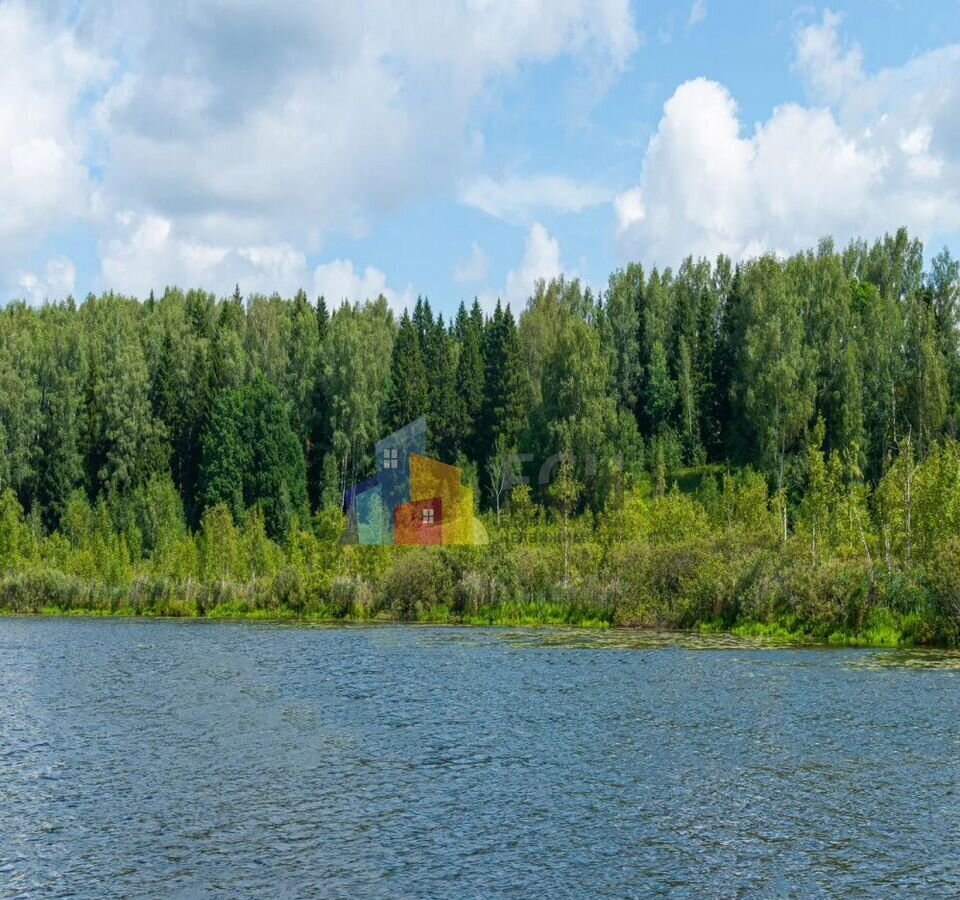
x=143, y=758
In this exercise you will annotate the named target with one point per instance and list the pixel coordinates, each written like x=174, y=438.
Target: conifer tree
x=661, y=397
x=60, y=468
x=494, y=347
x=423, y=320
x=408, y=394
x=622, y=310
x=301, y=373
x=277, y=479
x=252, y=457
x=442, y=389
x=469, y=386
x=318, y=445
x=323, y=318
x=512, y=390
x=226, y=456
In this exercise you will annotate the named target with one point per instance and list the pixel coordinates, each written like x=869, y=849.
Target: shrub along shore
x=711, y=559
x=694, y=587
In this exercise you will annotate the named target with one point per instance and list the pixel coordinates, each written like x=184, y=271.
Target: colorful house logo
x=413, y=500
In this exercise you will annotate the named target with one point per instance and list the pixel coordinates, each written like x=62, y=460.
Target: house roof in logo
x=411, y=438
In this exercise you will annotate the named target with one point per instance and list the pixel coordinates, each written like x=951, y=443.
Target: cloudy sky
x=459, y=148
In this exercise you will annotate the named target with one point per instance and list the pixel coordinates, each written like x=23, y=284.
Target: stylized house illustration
x=413, y=500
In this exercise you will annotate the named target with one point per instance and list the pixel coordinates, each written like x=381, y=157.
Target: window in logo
x=390, y=458
x=426, y=516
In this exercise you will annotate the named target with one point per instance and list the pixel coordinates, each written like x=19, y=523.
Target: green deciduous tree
x=775, y=384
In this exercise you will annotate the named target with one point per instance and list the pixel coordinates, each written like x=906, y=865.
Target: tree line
x=277, y=402
x=810, y=403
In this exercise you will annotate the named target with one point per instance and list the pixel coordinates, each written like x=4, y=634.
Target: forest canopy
x=277, y=402
x=832, y=377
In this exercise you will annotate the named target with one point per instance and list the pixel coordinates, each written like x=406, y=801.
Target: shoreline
x=775, y=634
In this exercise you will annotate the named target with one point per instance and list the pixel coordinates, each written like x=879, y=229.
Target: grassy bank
x=519, y=616
x=53, y=594
x=713, y=558
x=700, y=585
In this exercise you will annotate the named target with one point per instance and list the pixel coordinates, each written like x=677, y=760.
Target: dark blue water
x=246, y=760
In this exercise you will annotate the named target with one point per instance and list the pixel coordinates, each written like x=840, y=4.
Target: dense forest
x=765, y=446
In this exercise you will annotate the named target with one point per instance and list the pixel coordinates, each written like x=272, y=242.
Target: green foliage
x=13, y=537
x=469, y=387
x=408, y=392
x=661, y=391
x=774, y=386
x=355, y=364
x=226, y=456
x=251, y=455
x=621, y=332
x=218, y=546
x=523, y=512
x=767, y=444
x=504, y=409
x=277, y=478
x=443, y=418
x=418, y=582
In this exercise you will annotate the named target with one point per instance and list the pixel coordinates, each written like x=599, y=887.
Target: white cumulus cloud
x=629, y=208
x=56, y=282
x=473, y=268
x=294, y=120
x=148, y=253
x=339, y=280
x=241, y=135
x=878, y=151
x=45, y=182
x=518, y=199
x=830, y=68
x=541, y=259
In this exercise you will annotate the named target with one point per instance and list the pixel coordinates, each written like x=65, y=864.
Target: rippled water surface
x=250, y=760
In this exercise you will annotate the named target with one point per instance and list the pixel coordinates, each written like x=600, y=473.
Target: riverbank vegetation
x=768, y=448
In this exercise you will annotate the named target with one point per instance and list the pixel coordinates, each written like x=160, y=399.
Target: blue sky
x=459, y=149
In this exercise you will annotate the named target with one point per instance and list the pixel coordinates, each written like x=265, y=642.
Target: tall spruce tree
x=252, y=457
x=408, y=393
x=469, y=386
x=623, y=304
x=318, y=445
x=277, y=478
x=442, y=420
x=513, y=399
x=494, y=339
x=422, y=319
x=226, y=457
